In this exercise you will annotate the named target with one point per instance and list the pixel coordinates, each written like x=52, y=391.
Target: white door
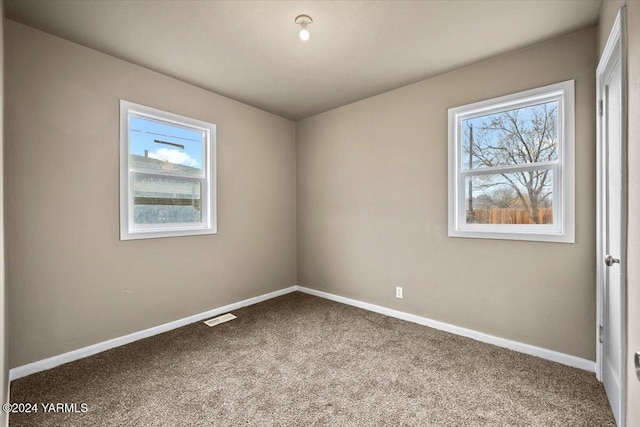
x=612, y=224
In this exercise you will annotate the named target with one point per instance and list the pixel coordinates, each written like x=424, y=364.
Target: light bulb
x=303, y=21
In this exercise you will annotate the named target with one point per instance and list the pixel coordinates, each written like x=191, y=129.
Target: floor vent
x=220, y=319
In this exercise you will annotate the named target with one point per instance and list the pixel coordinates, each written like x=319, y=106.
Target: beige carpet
x=299, y=360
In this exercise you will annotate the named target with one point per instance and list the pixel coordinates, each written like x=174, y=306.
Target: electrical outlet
x=399, y=292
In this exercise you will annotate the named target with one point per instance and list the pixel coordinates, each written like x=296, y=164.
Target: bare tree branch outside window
x=520, y=136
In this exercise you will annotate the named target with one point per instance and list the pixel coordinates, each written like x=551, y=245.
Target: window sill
x=157, y=234
x=529, y=236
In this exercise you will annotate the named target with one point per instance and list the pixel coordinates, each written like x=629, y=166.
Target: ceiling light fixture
x=303, y=21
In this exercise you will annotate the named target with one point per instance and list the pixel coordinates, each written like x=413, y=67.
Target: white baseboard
x=52, y=362
x=555, y=356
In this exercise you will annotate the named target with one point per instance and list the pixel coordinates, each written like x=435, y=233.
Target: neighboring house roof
x=164, y=187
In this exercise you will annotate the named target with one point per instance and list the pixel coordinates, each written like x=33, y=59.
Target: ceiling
x=250, y=50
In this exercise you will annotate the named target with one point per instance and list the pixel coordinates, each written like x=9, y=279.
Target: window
x=511, y=166
x=167, y=174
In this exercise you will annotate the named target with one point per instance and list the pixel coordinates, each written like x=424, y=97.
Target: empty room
x=320, y=213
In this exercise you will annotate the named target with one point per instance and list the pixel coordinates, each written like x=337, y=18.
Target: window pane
x=156, y=146
x=510, y=198
x=518, y=136
x=166, y=200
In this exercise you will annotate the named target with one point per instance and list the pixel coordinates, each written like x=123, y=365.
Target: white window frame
x=128, y=229
x=562, y=229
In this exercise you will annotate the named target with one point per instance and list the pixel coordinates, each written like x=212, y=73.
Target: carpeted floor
x=299, y=360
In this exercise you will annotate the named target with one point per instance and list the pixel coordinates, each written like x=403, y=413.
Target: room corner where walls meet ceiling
x=250, y=51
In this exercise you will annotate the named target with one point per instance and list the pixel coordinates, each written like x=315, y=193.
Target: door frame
x=616, y=36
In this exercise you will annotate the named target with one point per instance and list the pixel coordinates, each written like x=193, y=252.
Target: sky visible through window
x=521, y=135
x=164, y=142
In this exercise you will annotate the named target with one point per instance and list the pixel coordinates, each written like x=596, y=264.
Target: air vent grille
x=220, y=319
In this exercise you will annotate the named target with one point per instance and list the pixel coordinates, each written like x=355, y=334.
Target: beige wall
x=71, y=281
x=608, y=14
x=372, y=208
x=4, y=378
